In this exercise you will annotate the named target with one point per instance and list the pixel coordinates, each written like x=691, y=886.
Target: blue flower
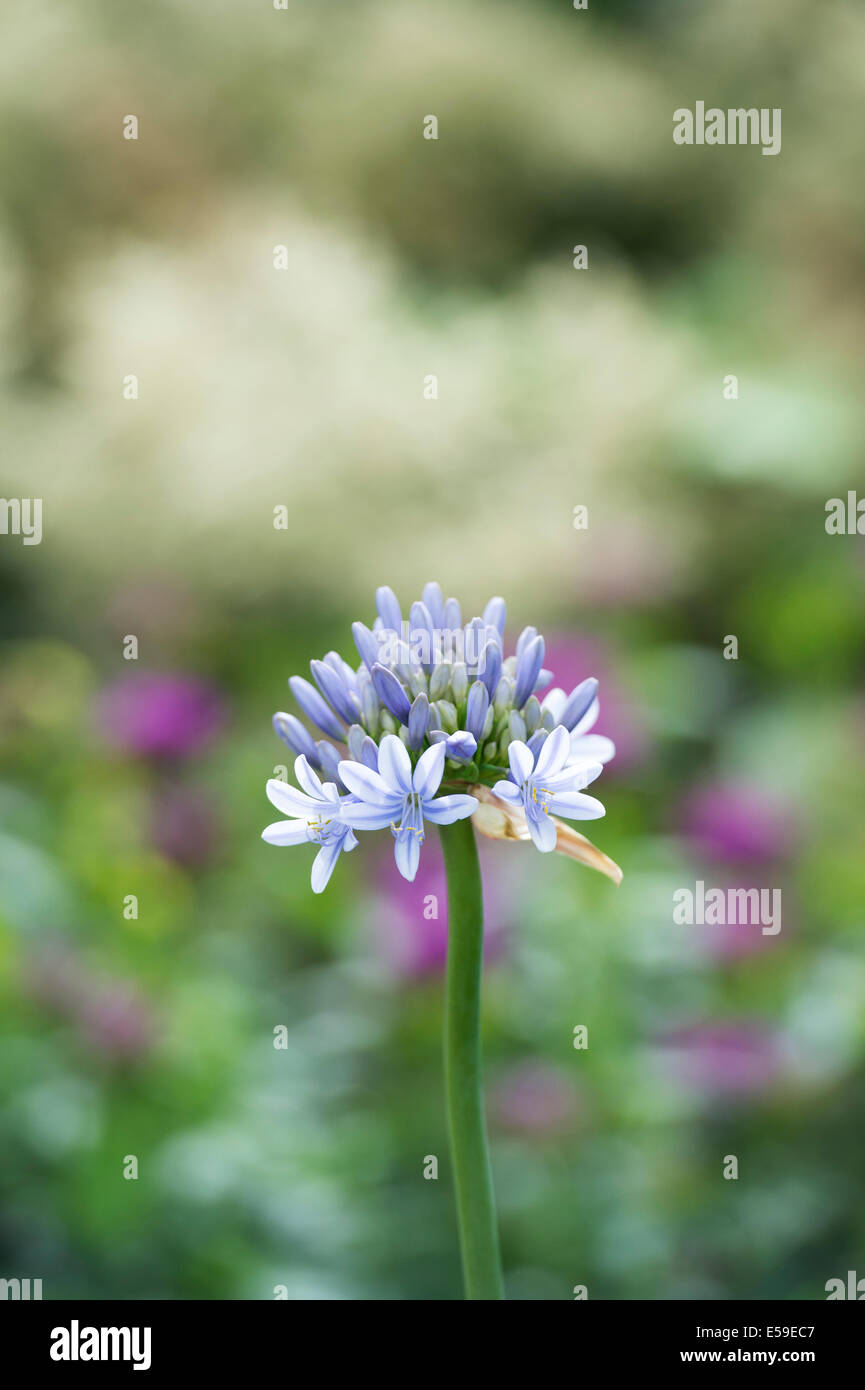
x=317, y=812
x=435, y=696
x=579, y=712
x=547, y=783
x=402, y=798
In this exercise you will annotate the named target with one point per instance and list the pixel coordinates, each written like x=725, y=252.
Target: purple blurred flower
x=117, y=1022
x=732, y=822
x=183, y=825
x=112, y=1016
x=160, y=716
x=411, y=918
x=735, y=1058
x=55, y=980
x=532, y=1098
x=573, y=659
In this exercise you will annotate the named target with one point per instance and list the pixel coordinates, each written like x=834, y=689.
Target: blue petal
x=369, y=753
x=418, y=720
x=578, y=703
x=529, y=664
x=490, y=667
x=527, y=635
x=391, y=693
x=314, y=707
x=388, y=608
x=294, y=735
x=432, y=597
x=476, y=708
x=453, y=618
x=460, y=746
x=496, y=613
x=421, y=636
x=366, y=643
x=329, y=758
x=537, y=741
x=333, y=687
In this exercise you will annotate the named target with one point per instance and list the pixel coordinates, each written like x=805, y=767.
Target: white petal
x=521, y=761
x=363, y=815
x=322, y=865
x=554, y=701
x=286, y=832
x=407, y=855
x=364, y=783
x=589, y=719
x=574, y=776
x=446, y=809
x=394, y=764
x=543, y=832
x=577, y=806
x=594, y=746
x=553, y=752
x=308, y=778
x=508, y=792
x=428, y=773
x=289, y=800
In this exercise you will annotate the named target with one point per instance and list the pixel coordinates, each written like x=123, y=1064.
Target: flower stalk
x=438, y=726
x=476, y=1215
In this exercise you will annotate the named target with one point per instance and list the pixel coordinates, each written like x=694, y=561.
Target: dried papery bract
x=496, y=820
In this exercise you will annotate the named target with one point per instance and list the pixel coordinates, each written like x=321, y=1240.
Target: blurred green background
x=153, y=1036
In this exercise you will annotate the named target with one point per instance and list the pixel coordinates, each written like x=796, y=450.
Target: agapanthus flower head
x=436, y=724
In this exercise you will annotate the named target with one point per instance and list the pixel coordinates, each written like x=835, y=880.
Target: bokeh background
x=303, y=387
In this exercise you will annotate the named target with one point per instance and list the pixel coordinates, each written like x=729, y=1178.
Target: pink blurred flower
x=735, y=1058
x=411, y=919
x=736, y=822
x=571, y=660
x=533, y=1098
x=729, y=941
x=160, y=716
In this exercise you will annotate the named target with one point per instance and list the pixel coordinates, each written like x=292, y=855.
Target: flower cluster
x=437, y=724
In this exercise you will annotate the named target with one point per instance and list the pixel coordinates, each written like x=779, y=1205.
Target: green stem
x=476, y=1214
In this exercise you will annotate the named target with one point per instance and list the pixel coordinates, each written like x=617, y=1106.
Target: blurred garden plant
x=437, y=724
